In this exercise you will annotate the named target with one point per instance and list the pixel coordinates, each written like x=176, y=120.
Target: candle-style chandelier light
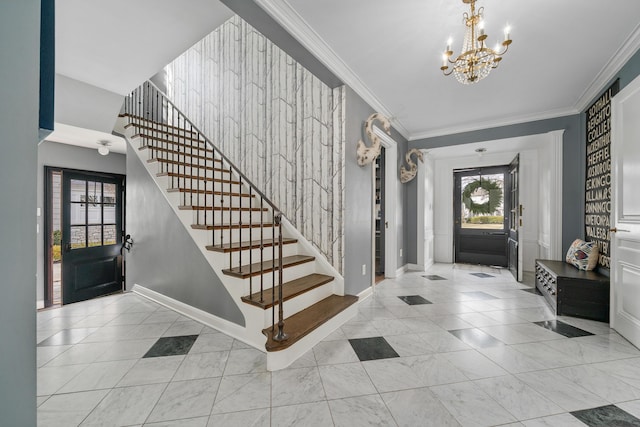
x=476, y=60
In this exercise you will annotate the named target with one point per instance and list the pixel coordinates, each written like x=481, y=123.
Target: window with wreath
x=482, y=201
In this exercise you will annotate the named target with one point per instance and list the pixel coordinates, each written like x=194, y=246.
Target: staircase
x=286, y=290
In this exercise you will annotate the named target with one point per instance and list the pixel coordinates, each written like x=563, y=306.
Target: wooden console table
x=573, y=292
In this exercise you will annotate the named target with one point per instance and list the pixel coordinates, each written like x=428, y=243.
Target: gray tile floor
x=497, y=368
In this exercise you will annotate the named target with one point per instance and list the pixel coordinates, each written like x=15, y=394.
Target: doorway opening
x=481, y=228
x=83, y=235
x=379, y=213
x=53, y=227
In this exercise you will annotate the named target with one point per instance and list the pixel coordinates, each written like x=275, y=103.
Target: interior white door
x=625, y=213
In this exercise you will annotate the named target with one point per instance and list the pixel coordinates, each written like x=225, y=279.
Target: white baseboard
x=215, y=322
x=365, y=294
x=401, y=270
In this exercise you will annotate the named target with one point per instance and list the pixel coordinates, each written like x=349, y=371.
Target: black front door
x=91, y=235
x=480, y=224
x=514, y=217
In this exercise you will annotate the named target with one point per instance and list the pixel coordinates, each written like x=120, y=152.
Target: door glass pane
x=109, y=214
x=95, y=235
x=78, y=212
x=78, y=190
x=109, y=193
x=94, y=192
x=483, y=201
x=94, y=213
x=78, y=237
x=109, y=234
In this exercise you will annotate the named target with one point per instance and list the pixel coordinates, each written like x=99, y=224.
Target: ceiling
x=105, y=49
x=563, y=54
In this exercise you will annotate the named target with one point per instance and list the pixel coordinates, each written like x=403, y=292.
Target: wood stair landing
x=306, y=321
x=257, y=268
x=289, y=290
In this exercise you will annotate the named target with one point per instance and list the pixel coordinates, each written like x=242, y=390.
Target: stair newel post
x=273, y=267
x=230, y=217
x=240, y=229
x=250, y=236
x=280, y=336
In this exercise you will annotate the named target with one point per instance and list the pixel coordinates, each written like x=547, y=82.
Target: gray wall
x=19, y=77
x=70, y=157
x=164, y=257
x=358, y=200
x=573, y=172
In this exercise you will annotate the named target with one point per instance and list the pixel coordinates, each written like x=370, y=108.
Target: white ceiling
x=105, y=49
x=563, y=53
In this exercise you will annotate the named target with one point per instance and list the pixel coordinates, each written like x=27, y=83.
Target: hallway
x=457, y=345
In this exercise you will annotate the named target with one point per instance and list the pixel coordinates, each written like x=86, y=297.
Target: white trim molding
x=555, y=249
x=611, y=68
x=215, y=322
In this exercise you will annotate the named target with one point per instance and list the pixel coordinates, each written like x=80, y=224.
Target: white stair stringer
x=256, y=318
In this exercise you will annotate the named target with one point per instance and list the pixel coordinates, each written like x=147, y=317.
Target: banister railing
x=169, y=131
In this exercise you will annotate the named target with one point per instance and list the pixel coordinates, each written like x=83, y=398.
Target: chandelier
x=476, y=60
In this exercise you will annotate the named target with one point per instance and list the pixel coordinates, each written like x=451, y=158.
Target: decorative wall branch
x=407, y=175
x=366, y=154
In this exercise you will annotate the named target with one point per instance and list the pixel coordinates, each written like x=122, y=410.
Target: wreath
x=491, y=187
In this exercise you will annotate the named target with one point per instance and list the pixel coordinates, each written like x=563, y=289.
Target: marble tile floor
x=483, y=353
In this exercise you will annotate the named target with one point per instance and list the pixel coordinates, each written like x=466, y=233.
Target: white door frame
x=391, y=189
x=624, y=314
x=424, y=237
x=551, y=241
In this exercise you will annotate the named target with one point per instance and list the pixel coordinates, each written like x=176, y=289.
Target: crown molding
x=609, y=71
x=282, y=12
x=476, y=126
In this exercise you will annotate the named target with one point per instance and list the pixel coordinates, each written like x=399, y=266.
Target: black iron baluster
x=280, y=336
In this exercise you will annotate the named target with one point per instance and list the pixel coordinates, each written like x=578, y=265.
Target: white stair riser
x=253, y=256
x=148, y=127
x=289, y=274
x=196, y=172
x=226, y=217
x=188, y=198
x=226, y=235
x=200, y=184
x=179, y=157
x=170, y=141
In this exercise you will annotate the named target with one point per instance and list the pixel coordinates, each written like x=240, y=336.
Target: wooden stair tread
x=289, y=290
x=188, y=165
x=228, y=226
x=140, y=118
x=257, y=268
x=236, y=246
x=221, y=208
x=304, y=322
x=208, y=192
x=202, y=143
x=180, y=131
x=182, y=153
x=196, y=177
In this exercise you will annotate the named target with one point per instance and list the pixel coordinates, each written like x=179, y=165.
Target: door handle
x=615, y=230
x=386, y=224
